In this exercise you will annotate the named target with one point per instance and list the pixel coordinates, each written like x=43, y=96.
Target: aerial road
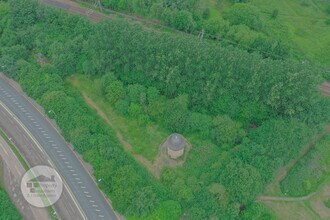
x=80, y=190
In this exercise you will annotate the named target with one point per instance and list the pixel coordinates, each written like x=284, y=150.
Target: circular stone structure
x=175, y=145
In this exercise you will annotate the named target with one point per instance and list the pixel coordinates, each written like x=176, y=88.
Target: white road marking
x=4, y=149
x=20, y=174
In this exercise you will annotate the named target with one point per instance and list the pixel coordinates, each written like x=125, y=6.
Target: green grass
x=15, y=150
x=8, y=210
x=306, y=26
x=327, y=203
x=144, y=139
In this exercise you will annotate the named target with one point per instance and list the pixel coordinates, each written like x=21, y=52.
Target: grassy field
x=304, y=22
x=145, y=140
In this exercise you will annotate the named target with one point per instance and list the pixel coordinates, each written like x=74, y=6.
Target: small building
x=175, y=144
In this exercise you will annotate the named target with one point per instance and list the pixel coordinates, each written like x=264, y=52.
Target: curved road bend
x=66, y=207
x=86, y=193
x=13, y=173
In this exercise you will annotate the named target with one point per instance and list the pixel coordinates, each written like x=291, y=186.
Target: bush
x=201, y=123
x=227, y=131
x=8, y=210
x=122, y=106
x=176, y=114
x=244, y=14
x=184, y=21
x=115, y=91
x=327, y=203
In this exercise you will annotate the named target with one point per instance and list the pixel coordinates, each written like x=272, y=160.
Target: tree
x=106, y=80
x=184, y=21
x=176, y=113
x=122, y=106
x=152, y=94
x=24, y=12
x=201, y=123
x=135, y=110
x=216, y=26
x=143, y=202
x=226, y=131
x=242, y=181
x=115, y=91
x=220, y=193
x=137, y=93
x=167, y=210
x=244, y=14
x=253, y=113
x=258, y=211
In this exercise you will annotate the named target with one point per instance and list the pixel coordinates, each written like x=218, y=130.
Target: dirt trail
x=160, y=161
x=153, y=168
x=287, y=199
x=325, y=88
x=284, y=170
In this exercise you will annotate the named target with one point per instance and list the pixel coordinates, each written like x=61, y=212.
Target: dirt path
x=325, y=88
x=286, y=199
x=271, y=188
x=153, y=168
x=160, y=161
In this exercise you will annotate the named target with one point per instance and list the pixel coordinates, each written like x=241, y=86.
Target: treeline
x=217, y=80
x=147, y=104
x=259, y=112
x=242, y=24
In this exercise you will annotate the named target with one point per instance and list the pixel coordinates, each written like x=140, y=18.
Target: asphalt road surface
x=13, y=172
x=86, y=195
x=65, y=207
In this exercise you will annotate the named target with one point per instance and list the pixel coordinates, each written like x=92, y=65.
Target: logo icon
x=41, y=186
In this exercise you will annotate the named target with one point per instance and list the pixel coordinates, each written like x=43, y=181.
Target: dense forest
x=273, y=28
x=240, y=25
x=258, y=111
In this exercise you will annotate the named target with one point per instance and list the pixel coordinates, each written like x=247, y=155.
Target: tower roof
x=176, y=142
